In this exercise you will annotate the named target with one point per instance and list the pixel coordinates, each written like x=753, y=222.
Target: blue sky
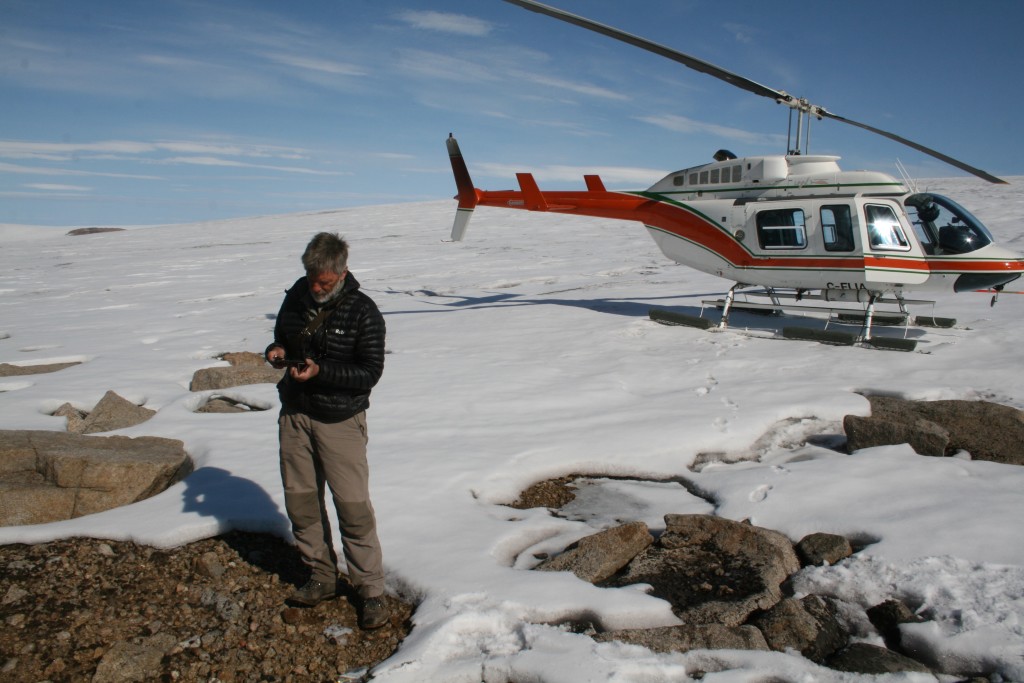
x=119, y=113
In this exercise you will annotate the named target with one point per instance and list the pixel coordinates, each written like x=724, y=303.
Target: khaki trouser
x=316, y=453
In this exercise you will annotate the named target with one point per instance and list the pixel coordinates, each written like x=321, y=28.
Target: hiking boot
x=313, y=593
x=375, y=613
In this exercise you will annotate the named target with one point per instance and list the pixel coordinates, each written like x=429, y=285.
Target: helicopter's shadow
x=761, y=322
x=446, y=303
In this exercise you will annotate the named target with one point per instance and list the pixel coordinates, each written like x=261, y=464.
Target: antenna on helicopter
x=802, y=107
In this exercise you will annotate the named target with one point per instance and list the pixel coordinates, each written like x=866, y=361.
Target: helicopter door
x=892, y=256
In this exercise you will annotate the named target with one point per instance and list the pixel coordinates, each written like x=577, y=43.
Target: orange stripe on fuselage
x=689, y=224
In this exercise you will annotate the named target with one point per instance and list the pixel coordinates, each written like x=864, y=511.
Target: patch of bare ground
x=210, y=610
x=550, y=493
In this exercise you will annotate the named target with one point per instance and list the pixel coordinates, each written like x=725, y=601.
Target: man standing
x=330, y=336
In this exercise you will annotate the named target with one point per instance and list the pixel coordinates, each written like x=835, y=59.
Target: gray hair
x=326, y=253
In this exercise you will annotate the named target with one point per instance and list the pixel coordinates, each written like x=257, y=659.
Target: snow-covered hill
x=523, y=353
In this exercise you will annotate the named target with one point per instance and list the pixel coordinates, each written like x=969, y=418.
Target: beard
x=327, y=296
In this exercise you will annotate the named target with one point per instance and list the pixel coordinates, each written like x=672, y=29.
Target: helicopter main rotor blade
x=718, y=72
x=656, y=48
x=920, y=148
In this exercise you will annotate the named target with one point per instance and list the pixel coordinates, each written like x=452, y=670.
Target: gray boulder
x=113, y=412
x=887, y=618
x=134, y=662
x=690, y=637
x=988, y=431
x=819, y=549
x=599, y=556
x=925, y=437
x=206, y=379
x=49, y=476
x=809, y=626
x=871, y=659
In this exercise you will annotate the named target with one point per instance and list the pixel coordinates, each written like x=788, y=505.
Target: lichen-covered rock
x=713, y=570
x=599, y=556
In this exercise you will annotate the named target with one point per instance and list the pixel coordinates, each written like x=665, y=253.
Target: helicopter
x=794, y=230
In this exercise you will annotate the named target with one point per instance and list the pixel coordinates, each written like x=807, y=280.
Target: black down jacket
x=348, y=346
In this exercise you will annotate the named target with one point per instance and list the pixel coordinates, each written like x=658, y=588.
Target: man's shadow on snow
x=247, y=517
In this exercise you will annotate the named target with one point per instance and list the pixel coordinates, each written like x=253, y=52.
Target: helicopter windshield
x=945, y=227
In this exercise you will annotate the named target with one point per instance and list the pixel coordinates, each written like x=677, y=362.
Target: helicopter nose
x=979, y=281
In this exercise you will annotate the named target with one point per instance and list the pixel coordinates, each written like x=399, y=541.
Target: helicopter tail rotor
x=468, y=196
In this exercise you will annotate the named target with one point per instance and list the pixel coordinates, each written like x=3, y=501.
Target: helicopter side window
x=837, y=228
x=781, y=229
x=737, y=173
x=884, y=229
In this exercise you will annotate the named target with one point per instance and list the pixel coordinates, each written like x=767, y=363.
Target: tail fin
x=467, y=193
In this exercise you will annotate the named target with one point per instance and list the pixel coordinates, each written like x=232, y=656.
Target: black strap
x=314, y=324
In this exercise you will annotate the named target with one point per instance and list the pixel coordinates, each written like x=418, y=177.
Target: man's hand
x=275, y=356
x=306, y=372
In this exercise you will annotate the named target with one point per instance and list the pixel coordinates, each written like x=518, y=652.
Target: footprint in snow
x=760, y=493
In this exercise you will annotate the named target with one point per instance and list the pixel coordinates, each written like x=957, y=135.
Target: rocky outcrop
x=713, y=570
x=49, y=476
x=988, y=431
x=726, y=581
x=246, y=368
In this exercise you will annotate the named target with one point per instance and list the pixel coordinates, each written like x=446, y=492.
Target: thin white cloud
x=741, y=32
x=34, y=170
x=574, y=86
x=326, y=66
x=445, y=22
x=119, y=149
x=54, y=187
x=231, y=163
x=426, y=64
x=395, y=156
x=681, y=124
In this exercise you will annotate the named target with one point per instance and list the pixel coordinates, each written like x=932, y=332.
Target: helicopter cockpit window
x=837, y=228
x=781, y=229
x=884, y=229
x=944, y=226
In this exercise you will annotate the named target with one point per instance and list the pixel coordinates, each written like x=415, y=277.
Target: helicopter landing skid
x=865, y=318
